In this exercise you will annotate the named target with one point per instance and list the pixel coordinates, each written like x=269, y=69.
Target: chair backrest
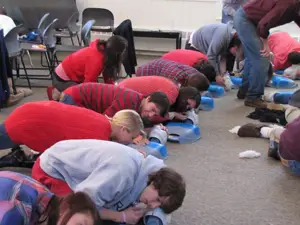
x=86, y=32
x=43, y=23
x=72, y=22
x=12, y=40
x=103, y=17
x=48, y=35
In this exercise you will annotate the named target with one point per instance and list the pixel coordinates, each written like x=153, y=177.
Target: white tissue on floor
x=249, y=154
x=235, y=130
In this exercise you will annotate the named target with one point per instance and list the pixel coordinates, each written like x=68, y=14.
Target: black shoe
x=17, y=158
x=242, y=92
x=273, y=150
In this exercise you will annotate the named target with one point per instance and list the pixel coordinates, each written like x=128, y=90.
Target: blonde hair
x=129, y=119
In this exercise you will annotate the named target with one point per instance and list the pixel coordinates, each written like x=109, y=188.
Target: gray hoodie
x=114, y=175
x=213, y=40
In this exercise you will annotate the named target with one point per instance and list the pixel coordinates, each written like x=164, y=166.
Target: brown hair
x=207, y=70
x=186, y=93
x=78, y=202
x=113, y=49
x=169, y=184
x=199, y=81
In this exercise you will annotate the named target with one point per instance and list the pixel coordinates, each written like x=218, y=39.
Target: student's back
x=149, y=84
x=104, y=98
x=163, y=67
x=39, y=125
x=281, y=44
x=185, y=56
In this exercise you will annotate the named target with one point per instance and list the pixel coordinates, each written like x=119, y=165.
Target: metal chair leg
x=25, y=71
x=72, y=40
x=79, y=42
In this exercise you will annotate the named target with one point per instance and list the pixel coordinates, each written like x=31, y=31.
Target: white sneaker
x=228, y=82
x=269, y=97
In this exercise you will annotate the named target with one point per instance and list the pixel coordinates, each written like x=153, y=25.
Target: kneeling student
x=124, y=185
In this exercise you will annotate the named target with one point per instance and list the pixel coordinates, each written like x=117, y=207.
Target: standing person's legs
x=258, y=65
x=5, y=141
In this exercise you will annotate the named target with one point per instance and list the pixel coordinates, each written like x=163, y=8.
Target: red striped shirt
x=104, y=98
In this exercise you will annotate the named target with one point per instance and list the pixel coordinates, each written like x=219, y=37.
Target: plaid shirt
x=167, y=68
x=104, y=98
x=22, y=199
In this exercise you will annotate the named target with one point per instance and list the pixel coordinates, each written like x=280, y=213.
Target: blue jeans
x=5, y=141
x=67, y=99
x=256, y=67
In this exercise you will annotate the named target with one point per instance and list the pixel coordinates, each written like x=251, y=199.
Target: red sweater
x=281, y=44
x=149, y=84
x=39, y=125
x=85, y=65
x=104, y=98
x=187, y=57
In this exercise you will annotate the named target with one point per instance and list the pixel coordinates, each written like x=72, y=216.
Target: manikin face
x=151, y=198
x=149, y=109
x=79, y=219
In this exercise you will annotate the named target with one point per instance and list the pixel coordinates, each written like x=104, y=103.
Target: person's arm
x=111, y=215
x=223, y=67
x=215, y=49
x=272, y=18
x=130, y=215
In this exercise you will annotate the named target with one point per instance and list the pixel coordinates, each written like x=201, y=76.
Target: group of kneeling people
x=85, y=173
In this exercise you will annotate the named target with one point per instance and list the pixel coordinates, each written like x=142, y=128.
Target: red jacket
x=85, y=65
x=39, y=125
x=186, y=57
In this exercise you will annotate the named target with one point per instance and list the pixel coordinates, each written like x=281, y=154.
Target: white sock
x=266, y=132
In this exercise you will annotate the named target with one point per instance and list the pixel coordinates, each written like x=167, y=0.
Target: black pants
x=61, y=84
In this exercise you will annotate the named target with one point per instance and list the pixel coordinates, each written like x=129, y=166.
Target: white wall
x=184, y=15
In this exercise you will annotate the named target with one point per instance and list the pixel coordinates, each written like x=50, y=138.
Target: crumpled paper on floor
x=249, y=154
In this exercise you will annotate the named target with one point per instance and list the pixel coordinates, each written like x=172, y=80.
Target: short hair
x=294, y=57
x=169, y=184
x=199, y=81
x=235, y=42
x=184, y=94
x=161, y=100
x=208, y=70
x=129, y=119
